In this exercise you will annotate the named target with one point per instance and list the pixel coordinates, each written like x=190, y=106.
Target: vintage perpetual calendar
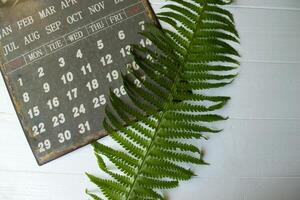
x=60, y=58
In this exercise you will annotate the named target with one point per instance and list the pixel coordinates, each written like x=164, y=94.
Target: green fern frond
x=195, y=55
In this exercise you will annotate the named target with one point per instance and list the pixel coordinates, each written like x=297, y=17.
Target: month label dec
x=60, y=59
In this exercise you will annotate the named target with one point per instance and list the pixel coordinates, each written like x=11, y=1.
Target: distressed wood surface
x=255, y=158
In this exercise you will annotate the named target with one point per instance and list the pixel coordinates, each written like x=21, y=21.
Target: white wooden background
x=257, y=157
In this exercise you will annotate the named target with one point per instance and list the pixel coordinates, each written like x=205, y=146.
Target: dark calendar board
x=59, y=59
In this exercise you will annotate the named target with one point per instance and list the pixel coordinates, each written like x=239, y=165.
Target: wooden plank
x=264, y=4
x=260, y=45
x=37, y=186
x=269, y=35
x=265, y=90
x=272, y=4
x=247, y=148
x=6, y=105
x=254, y=148
x=225, y=188
x=261, y=30
x=270, y=82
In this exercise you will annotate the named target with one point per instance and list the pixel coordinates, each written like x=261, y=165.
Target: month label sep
x=60, y=59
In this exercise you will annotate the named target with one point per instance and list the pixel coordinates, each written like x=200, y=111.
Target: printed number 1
x=142, y=24
x=20, y=82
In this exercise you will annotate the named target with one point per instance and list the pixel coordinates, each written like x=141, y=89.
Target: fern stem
x=165, y=109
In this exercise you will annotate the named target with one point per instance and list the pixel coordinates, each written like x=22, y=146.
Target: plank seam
x=197, y=177
x=251, y=7
x=12, y=115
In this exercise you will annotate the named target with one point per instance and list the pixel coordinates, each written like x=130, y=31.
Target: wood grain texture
x=255, y=158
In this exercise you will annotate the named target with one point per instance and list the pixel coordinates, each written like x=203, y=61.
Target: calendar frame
x=87, y=140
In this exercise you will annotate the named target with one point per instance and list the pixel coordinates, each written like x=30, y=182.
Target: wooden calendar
x=60, y=59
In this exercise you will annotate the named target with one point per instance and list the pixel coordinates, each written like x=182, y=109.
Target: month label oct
x=60, y=59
